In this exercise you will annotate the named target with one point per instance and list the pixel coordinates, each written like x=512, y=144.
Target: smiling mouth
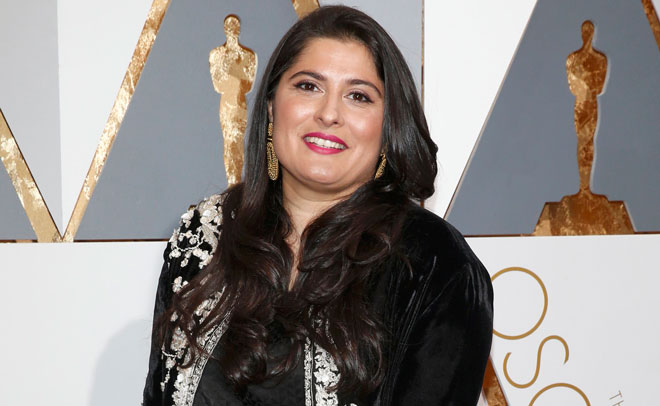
x=323, y=143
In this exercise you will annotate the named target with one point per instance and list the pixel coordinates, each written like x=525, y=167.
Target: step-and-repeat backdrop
x=546, y=114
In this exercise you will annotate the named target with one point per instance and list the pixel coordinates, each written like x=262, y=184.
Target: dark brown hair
x=340, y=251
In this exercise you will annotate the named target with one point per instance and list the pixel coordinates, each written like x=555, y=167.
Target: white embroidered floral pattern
x=187, y=242
x=185, y=395
x=320, y=373
x=308, y=364
x=187, y=379
x=325, y=375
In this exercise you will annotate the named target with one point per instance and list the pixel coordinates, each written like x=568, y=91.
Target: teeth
x=324, y=143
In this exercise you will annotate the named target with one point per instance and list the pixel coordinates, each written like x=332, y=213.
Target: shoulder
x=439, y=256
x=195, y=240
x=426, y=234
x=191, y=247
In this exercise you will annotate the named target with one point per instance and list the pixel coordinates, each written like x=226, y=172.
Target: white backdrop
x=602, y=301
x=76, y=322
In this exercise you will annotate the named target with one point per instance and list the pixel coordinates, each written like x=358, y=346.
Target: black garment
x=440, y=319
x=213, y=391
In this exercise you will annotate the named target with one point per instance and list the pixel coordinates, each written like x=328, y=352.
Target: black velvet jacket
x=439, y=315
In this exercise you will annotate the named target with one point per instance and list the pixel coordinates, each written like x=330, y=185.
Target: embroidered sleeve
x=197, y=237
x=190, y=248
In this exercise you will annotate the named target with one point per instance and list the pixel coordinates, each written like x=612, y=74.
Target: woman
x=319, y=280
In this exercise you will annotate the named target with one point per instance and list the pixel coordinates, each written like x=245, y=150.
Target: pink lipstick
x=324, y=143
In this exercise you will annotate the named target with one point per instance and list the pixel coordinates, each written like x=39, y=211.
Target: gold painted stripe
x=145, y=42
x=26, y=188
x=491, y=387
x=304, y=7
x=653, y=19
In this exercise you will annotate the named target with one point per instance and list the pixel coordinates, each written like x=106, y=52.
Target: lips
x=324, y=143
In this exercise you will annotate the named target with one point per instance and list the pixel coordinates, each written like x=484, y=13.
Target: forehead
x=346, y=57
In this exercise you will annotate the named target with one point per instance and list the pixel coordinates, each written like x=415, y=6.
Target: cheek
x=288, y=114
x=369, y=127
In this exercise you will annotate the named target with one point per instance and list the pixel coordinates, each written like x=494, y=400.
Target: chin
x=324, y=179
x=334, y=185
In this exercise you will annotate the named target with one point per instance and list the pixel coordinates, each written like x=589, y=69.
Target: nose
x=328, y=112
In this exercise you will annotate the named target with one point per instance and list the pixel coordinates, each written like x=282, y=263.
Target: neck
x=303, y=206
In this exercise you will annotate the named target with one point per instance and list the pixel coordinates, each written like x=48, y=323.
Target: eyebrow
x=321, y=78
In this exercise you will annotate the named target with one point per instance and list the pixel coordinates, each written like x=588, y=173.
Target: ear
x=270, y=111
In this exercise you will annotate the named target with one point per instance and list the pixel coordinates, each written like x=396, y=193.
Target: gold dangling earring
x=381, y=166
x=273, y=163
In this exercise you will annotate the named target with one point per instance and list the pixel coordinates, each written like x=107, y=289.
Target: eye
x=359, y=97
x=307, y=86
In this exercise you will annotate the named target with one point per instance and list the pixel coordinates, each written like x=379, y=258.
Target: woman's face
x=327, y=116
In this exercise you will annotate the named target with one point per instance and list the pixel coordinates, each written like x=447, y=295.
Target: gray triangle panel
x=168, y=151
x=526, y=155
x=14, y=223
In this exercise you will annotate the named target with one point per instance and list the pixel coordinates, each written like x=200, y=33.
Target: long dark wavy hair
x=340, y=251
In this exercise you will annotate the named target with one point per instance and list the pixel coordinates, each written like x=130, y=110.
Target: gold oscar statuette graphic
x=233, y=68
x=304, y=7
x=585, y=212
